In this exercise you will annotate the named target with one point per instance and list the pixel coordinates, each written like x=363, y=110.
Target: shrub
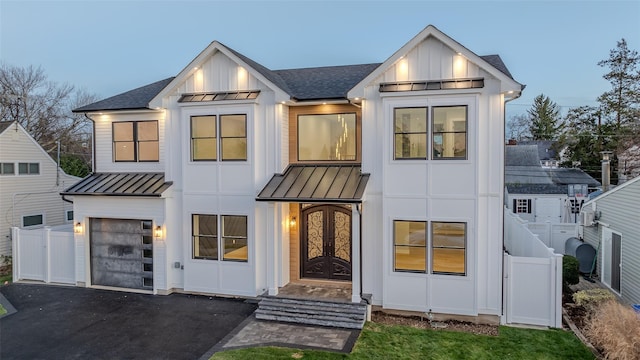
x=615, y=329
x=591, y=298
x=570, y=270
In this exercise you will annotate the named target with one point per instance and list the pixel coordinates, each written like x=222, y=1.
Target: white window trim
x=44, y=221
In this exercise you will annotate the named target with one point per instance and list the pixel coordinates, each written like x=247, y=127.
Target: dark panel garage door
x=122, y=253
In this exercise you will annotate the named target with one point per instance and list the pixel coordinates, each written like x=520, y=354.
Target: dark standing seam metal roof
x=120, y=184
x=344, y=183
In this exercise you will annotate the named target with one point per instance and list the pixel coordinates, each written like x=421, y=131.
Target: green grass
x=379, y=341
x=4, y=278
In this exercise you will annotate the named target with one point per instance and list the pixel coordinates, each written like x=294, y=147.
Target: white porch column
x=273, y=250
x=355, y=253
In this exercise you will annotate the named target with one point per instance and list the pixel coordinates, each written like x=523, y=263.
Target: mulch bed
x=423, y=323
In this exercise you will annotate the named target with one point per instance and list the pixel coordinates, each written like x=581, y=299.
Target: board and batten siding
x=104, y=160
x=23, y=195
x=621, y=211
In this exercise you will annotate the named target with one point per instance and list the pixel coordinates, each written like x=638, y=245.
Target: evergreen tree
x=545, y=121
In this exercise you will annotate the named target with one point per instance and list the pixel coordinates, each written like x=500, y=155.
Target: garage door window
x=232, y=239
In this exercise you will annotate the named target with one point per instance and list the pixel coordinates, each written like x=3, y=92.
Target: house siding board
x=621, y=211
x=43, y=194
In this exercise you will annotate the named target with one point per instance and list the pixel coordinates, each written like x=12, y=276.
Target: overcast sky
x=109, y=46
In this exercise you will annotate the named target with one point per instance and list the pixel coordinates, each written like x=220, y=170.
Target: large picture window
x=410, y=245
x=232, y=138
x=410, y=133
x=447, y=241
x=135, y=141
x=327, y=137
x=449, y=131
x=232, y=239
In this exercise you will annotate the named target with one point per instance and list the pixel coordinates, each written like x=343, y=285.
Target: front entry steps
x=312, y=312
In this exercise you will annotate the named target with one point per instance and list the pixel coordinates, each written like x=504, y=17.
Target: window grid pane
x=233, y=137
x=410, y=241
x=204, y=145
x=449, y=127
x=410, y=129
x=205, y=236
x=448, y=248
x=234, y=238
x=8, y=169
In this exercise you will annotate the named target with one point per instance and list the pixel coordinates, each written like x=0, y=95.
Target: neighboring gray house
x=540, y=194
x=611, y=224
x=547, y=153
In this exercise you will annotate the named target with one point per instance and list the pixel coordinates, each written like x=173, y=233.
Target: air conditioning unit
x=588, y=218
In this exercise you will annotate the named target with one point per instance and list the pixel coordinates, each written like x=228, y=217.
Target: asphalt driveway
x=54, y=322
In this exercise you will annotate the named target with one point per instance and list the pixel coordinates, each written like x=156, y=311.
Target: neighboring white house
x=30, y=183
x=235, y=179
x=610, y=224
x=538, y=193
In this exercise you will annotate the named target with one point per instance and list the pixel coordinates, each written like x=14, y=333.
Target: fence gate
x=43, y=255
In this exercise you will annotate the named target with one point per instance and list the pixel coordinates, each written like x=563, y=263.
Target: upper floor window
x=327, y=137
x=232, y=137
x=7, y=169
x=28, y=168
x=448, y=132
x=410, y=133
x=136, y=141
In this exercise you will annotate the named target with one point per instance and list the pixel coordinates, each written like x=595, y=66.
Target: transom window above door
x=327, y=137
x=445, y=126
x=219, y=137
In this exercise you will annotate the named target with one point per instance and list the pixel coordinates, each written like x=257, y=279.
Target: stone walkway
x=253, y=333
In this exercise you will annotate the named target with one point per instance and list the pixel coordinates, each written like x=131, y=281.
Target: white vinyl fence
x=532, y=277
x=554, y=236
x=46, y=254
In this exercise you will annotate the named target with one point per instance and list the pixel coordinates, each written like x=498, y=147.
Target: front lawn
x=378, y=341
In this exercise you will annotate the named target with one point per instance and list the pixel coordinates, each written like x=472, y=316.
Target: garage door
x=122, y=253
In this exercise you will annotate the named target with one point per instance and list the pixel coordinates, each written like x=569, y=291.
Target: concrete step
x=314, y=312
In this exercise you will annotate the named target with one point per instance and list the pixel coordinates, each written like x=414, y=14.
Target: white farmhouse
x=234, y=179
x=30, y=183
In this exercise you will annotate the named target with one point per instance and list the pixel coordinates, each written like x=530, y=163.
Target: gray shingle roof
x=546, y=148
x=131, y=100
x=572, y=176
x=526, y=175
x=536, y=189
x=522, y=155
x=4, y=125
x=330, y=82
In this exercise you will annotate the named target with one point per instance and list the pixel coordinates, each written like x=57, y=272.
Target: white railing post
x=557, y=261
x=46, y=235
x=15, y=253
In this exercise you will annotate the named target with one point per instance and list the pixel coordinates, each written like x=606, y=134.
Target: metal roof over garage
x=120, y=184
x=313, y=183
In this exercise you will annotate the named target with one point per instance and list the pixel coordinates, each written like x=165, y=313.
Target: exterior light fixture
x=77, y=228
x=157, y=232
x=293, y=222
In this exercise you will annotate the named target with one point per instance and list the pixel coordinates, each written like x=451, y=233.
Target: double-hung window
x=227, y=137
x=229, y=244
x=135, y=141
x=447, y=242
x=446, y=128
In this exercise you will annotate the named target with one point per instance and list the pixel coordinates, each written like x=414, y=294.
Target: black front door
x=326, y=242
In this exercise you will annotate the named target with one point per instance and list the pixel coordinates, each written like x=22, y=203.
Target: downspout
x=93, y=147
x=359, y=209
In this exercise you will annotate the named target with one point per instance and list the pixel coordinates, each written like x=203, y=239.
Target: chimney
x=606, y=169
x=512, y=142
